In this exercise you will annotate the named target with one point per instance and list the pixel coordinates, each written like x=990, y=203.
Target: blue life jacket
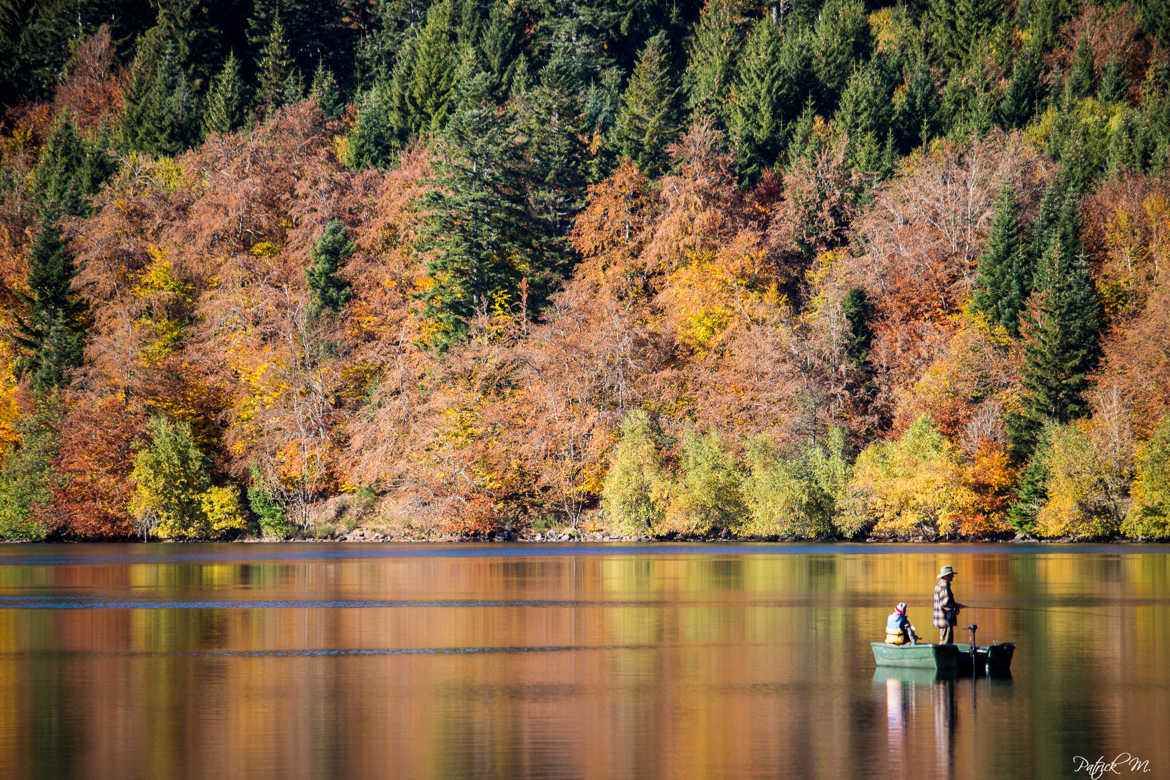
x=895, y=623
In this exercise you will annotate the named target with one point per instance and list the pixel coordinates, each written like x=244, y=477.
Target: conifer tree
x=843, y=39
x=959, y=26
x=712, y=59
x=1061, y=346
x=99, y=164
x=327, y=290
x=1003, y=279
x=477, y=230
x=1114, y=87
x=1082, y=78
x=326, y=93
x=372, y=141
x=428, y=89
x=395, y=25
x=1046, y=222
x=1155, y=16
x=555, y=168
x=858, y=312
x=648, y=121
x=226, y=104
x=57, y=181
x=313, y=30
x=755, y=123
x=160, y=113
x=49, y=335
x=865, y=113
x=1031, y=493
x=1025, y=90
x=275, y=72
x=500, y=44
x=916, y=109
x=804, y=143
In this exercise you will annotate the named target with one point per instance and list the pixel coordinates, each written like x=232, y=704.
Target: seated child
x=898, y=628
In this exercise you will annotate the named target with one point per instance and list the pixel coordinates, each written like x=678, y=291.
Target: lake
x=336, y=660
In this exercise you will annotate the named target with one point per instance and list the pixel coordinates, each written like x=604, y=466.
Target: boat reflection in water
x=909, y=691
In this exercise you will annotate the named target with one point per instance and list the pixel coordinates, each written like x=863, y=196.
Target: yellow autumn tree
x=909, y=488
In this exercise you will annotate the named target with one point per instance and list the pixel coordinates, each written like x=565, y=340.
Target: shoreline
x=597, y=538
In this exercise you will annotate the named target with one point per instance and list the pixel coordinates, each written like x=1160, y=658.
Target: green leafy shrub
x=795, y=497
x=709, y=498
x=911, y=487
x=633, y=496
x=26, y=475
x=1149, y=514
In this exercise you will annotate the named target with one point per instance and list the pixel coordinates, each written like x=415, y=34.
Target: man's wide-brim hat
x=944, y=571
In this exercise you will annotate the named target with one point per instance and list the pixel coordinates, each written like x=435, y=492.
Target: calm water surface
x=677, y=661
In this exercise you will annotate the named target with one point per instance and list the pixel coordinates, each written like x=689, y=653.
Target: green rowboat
x=941, y=658
x=995, y=659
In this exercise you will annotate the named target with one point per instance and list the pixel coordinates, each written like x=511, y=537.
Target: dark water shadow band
x=342, y=652
x=230, y=552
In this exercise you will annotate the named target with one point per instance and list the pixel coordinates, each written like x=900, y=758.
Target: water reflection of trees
x=717, y=664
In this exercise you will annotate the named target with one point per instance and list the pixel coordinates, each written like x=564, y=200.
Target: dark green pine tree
x=477, y=229
x=329, y=292
x=549, y=119
x=313, y=30
x=1031, y=493
x=276, y=73
x=1155, y=16
x=49, y=334
x=1061, y=334
x=372, y=142
x=226, y=105
x=326, y=93
x=1082, y=77
x=396, y=23
x=711, y=60
x=842, y=41
x=755, y=123
x=1003, y=279
x=1114, y=87
x=160, y=115
x=916, y=109
x=858, y=312
x=428, y=90
x=865, y=114
x=1025, y=91
x=57, y=181
x=959, y=27
x=1045, y=18
x=1046, y=223
x=500, y=44
x=648, y=121
x=100, y=163
x=804, y=143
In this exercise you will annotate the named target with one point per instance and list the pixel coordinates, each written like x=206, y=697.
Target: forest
x=498, y=269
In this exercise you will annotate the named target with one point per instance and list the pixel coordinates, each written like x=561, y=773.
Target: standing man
x=946, y=609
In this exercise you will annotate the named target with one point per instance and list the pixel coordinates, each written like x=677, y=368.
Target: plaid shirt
x=944, y=605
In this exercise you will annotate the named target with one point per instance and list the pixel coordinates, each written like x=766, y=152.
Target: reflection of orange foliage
x=990, y=477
